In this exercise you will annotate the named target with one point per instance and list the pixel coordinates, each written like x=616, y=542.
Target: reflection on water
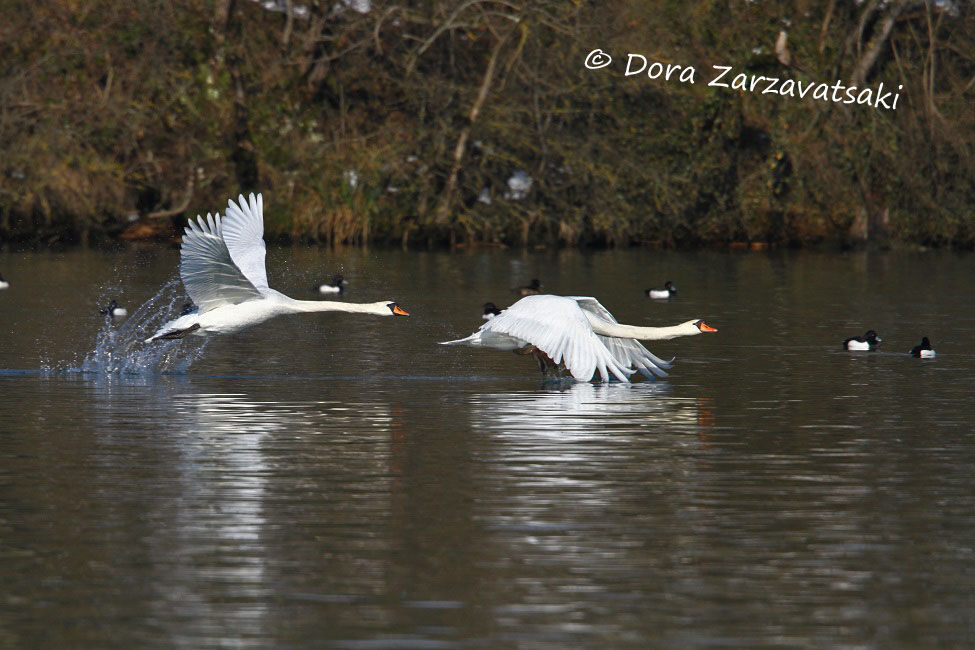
x=583, y=410
x=331, y=482
x=220, y=474
x=563, y=465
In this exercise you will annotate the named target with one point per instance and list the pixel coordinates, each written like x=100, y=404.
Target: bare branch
x=181, y=206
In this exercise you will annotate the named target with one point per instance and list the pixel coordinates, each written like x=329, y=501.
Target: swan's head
x=701, y=326
x=394, y=309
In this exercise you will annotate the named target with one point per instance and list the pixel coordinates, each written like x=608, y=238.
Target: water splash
x=121, y=349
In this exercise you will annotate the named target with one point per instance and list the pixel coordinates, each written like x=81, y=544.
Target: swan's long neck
x=620, y=331
x=374, y=308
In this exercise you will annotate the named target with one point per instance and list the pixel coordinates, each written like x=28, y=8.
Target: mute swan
x=490, y=310
x=669, y=291
x=222, y=268
x=868, y=341
x=114, y=310
x=579, y=334
x=923, y=350
x=532, y=289
x=337, y=285
x=3, y=283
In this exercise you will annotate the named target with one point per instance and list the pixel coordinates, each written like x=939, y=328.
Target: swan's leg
x=178, y=334
x=538, y=354
x=546, y=365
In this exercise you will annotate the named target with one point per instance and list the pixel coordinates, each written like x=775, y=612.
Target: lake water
x=327, y=480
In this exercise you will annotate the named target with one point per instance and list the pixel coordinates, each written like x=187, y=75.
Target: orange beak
x=399, y=311
x=707, y=328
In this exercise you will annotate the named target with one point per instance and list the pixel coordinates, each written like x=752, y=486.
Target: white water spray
x=121, y=349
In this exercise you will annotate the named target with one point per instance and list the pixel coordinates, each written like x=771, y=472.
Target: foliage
x=408, y=121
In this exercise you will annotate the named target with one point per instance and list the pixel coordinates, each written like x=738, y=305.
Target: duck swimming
x=532, y=289
x=336, y=285
x=868, y=341
x=3, y=283
x=923, y=349
x=490, y=311
x=114, y=310
x=669, y=291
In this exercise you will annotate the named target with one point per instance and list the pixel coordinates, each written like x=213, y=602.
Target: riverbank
x=481, y=125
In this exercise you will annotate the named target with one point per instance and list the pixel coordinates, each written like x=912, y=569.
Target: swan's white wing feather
x=208, y=272
x=556, y=326
x=243, y=231
x=629, y=352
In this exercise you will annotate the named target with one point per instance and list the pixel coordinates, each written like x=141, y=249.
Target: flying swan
x=222, y=268
x=579, y=335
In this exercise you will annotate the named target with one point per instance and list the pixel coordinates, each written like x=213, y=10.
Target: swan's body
x=669, y=291
x=114, y=310
x=532, y=289
x=3, y=283
x=923, y=350
x=337, y=285
x=490, y=310
x=222, y=268
x=577, y=333
x=868, y=341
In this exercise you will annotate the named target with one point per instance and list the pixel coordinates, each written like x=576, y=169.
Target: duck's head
x=669, y=286
x=535, y=284
x=872, y=337
x=338, y=281
x=396, y=310
x=491, y=308
x=702, y=327
x=925, y=343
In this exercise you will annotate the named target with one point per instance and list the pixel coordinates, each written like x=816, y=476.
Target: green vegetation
x=122, y=119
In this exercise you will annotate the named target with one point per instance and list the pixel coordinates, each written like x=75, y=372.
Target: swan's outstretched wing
x=629, y=352
x=207, y=269
x=556, y=326
x=243, y=230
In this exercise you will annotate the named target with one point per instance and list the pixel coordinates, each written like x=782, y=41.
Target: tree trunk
x=877, y=43
x=443, y=208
